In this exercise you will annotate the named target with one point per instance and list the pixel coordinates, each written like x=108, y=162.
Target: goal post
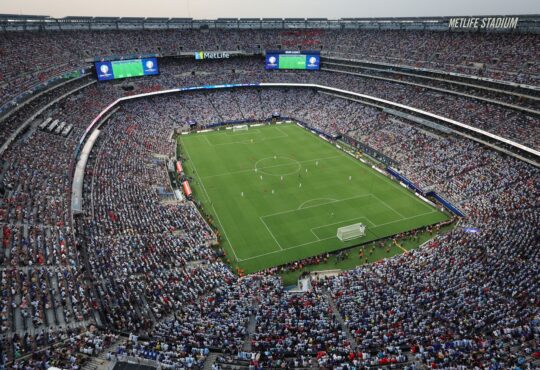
x=350, y=232
x=240, y=128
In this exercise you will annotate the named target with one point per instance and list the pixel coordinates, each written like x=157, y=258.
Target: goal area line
x=368, y=230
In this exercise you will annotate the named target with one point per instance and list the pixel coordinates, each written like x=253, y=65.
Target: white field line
x=271, y=233
x=284, y=133
x=392, y=182
x=333, y=237
x=432, y=210
x=274, y=166
x=318, y=239
x=333, y=200
x=349, y=220
x=316, y=205
x=232, y=133
x=208, y=141
x=210, y=201
x=247, y=141
x=389, y=206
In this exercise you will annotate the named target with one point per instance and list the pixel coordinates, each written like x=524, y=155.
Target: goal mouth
x=351, y=232
x=240, y=128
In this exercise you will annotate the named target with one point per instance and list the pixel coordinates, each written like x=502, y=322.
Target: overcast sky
x=209, y=9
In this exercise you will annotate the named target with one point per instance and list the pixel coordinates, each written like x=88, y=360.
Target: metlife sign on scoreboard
x=284, y=59
x=113, y=70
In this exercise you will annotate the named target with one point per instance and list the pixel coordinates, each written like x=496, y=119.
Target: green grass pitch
x=278, y=193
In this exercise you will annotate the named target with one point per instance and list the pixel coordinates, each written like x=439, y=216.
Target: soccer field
x=278, y=193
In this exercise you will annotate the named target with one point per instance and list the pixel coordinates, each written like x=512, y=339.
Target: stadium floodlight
x=240, y=128
x=350, y=232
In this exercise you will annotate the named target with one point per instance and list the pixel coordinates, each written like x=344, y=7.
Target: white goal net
x=351, y=232
x=240, y=128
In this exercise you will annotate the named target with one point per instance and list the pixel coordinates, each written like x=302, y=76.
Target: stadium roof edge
x=32, y=16
x=107, y=18
x=528, y=23
x=23, y=16
x=76, y=17
x=157, y=19
x=131, y=19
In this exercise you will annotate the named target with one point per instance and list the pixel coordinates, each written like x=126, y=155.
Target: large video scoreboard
x=290, y=59
x=113, y=70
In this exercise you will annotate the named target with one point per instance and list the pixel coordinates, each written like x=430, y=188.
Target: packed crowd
x=483, y=183
x=522, y=127
x=139, y=265
x=43, y=283
x=504, y=94
x=65, y=349
x=509, y=123
x=41, y=56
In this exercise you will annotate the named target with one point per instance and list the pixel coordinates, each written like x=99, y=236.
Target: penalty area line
x=271, y=233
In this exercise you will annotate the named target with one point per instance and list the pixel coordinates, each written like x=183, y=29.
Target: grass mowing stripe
x=292, y=212
x=266, y=167
x=377, y=173
x=389, y=206
x=316, y=205
x=211, y=204
x=265, y=225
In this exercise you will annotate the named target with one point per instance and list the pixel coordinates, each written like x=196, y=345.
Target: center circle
x=277, y=166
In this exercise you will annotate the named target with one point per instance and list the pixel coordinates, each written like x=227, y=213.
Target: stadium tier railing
x=470, y=132
x=482, y=81
x=23, y=126
x=41, y=87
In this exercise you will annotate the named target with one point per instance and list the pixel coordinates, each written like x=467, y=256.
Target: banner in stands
x=411, y=185
x=179, y=168
x=445, y=203
x=187, y=188
x=433, y=194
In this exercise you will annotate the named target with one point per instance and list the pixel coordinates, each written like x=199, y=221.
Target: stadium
x=258, y=193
